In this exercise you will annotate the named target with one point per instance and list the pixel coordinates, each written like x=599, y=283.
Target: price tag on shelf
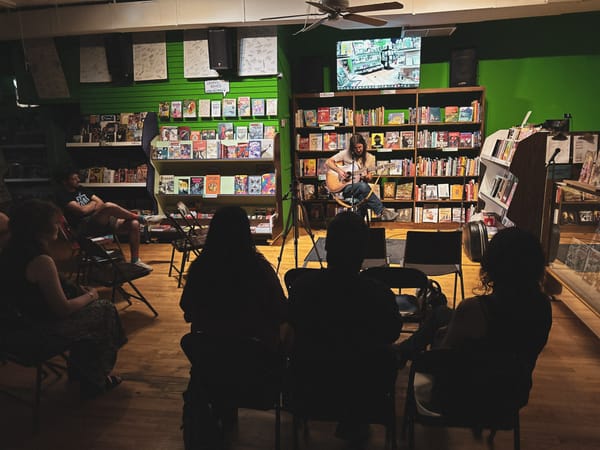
x=326, y=94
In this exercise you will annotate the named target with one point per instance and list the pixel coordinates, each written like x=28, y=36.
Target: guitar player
x=358, y=162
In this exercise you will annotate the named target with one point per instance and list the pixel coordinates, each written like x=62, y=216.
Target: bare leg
x=109, y=209
x=132, y=228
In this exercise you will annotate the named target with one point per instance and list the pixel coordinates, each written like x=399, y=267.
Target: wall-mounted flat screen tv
x=387, y=63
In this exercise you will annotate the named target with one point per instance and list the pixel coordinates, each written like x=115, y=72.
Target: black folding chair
x=185, y=243
x=108, y=271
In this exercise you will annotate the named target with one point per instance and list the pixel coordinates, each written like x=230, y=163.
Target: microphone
x=554, y=155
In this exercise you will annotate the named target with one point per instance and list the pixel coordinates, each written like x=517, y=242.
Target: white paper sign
x=582, y=144
x=213, y=86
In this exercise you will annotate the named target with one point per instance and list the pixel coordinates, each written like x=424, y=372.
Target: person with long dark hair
x=231, y=292
x=88, y=326
x=354, y=168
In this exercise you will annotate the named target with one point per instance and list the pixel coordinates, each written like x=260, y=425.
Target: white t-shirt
x=345, y=161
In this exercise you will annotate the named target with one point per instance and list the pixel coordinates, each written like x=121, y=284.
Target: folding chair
x=185, y=243
x=109, y=271
x=412, y=307
x=436, y=253
x=22, y=344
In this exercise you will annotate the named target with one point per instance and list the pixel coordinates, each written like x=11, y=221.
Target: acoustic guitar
x=336, y=183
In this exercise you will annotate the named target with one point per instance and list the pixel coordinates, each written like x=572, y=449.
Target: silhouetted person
x=336, y=312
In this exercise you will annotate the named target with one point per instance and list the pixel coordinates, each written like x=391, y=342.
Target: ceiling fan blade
x=294, y=15
x=311, y=26
x=373, y=21
x=374, y=7
x=322, y=7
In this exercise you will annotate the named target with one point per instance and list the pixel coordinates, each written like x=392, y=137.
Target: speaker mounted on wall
x=463, y=67
x=307, y=74
x=221, y=53
x=119, y=57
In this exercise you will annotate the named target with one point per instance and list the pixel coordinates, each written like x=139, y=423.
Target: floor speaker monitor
x=220, y=48
x=463, y=67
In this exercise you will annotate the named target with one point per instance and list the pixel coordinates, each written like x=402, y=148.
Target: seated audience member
x=231, y=291
x=88, y=215
x=89, y=326
x=4, y=234
x=513, y=316
x=338, y=312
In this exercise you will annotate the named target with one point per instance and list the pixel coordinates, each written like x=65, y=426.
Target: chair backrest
x=439, y=247
x=190, y=219
x=293, y=274
x=398, y=277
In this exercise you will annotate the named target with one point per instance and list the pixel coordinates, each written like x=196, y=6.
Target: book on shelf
x=215, y=108
x=269, y=132
x=336, y=114
x=254, y=184
x=456, y=191
x=212, y=149
x=168, y=133
x=267, y=148
x=267, y=185
x=254, y=149
x=258, y=107
x=430, y=213
x=240, y=186
x=242, y=151
x=161, y=150
x=195, y=135
x=404, y=215
x=377, y=140
x=164, y=110
x=589, y=161
x=197, y=185
x=308, y=191
x=189, y=109
x=309, y=167
x=208, y=134
x=176, y=109
x=166, y=184
x=431, y=192
x=243, y=106
x=322, y=168
x=465, y=114
x=404, y=191
x=204, y=108
x=395, y=118
x=444, y=214
x=458, y=215
x=454, y=139
x=330, y=141
x=185, y=149
x=407, y=139
x=451, y=114
x=229, y=107
x=310, y=117
x=302, y=143
x=227, y=185
x=241, y=133
x=465, y=139
x=271, y=107
x=182, y=185
x=323, y=115
x=225, y=130
x=315, y=141
x=435, y=114
x=389, y=190
x=444, y=190
x=418, y=214
x=183, y=133
x=255, y=130
x=392, y=140
x=212, y=185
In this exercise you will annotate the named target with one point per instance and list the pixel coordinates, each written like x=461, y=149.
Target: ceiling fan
x=340, y=9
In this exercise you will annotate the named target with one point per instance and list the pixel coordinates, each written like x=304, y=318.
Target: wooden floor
x=145, y=411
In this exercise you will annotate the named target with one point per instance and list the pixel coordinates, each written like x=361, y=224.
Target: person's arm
x=42, y=271
x=468, y=322
x=331, y=164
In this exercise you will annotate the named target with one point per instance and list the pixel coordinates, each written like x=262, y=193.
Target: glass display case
x=575, y=246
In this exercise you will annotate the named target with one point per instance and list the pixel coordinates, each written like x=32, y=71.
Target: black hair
x=229, y=233
x=358, y=139
x=346, y=242
x=63, y=174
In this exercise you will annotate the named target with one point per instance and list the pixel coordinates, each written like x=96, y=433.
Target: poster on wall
x=93, y=67
x=195, y=55
x=45, y=68
x=257, y=51
x=149, y=56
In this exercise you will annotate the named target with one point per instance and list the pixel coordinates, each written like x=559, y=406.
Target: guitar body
x=334, y=183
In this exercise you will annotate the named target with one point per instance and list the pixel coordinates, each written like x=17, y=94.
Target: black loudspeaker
x=307, y=75
x=119, y=57
x=220, y=48
x=463, y=67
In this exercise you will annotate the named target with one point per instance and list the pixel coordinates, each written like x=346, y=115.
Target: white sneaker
x=141, y=263
x=156, y=218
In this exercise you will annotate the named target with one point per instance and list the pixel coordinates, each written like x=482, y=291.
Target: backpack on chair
x=433, y=295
